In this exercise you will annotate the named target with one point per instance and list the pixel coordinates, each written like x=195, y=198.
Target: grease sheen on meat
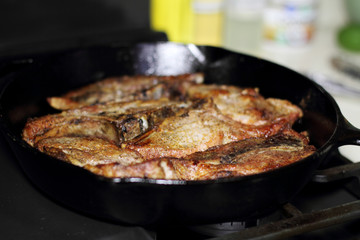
x=238, y=158
x=169, y=127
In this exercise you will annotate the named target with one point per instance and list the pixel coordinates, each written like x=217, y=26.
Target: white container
x=243, y=25
x=290, y=22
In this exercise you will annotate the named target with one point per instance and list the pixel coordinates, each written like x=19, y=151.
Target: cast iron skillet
x=149, y=202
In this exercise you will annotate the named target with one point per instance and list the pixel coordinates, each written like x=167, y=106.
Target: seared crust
x=126, y=88
x=197, y=129
x=245, y=157
x=240, y=158
x=246, y=105
x=82, y=151
x=115, y=122
x=169, y=128
x=154, y=169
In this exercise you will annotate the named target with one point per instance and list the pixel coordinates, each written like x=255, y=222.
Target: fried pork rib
x=82, y=151
x=127, y=88
x=169, y=127
x=115, y=122
x=246, y=105
x=196, y=129
x=239, y=158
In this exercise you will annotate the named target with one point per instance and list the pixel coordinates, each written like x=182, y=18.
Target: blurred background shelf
x=302, y=35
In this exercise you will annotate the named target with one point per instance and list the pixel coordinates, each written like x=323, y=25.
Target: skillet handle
x=346, y=133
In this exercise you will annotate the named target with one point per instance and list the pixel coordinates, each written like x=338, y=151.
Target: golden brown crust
x=171, y=127
x=246, y=105
x=239, y=158
x=154, y=169
x=196, y=130
x=126, y=88
x=115, y=121
x=82, y=151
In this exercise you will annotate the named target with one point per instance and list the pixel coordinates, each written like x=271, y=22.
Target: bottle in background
x=174, y=17
x=243, y=25
x=289, y=23
x=189, y=21
x=207, y=22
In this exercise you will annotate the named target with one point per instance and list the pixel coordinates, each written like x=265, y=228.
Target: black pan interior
x=25, y=94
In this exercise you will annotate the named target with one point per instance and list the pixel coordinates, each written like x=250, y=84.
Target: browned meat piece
x=154, y=169
x=245, y=157
x=126, y=88
x=69, y=126
x=87, y=150
x=246, y=105
x=115, y=122
x=196, y=129
x=115, y=109
x=170, y=128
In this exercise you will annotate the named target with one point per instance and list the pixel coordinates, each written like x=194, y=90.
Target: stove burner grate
x=299, y=223
x=290, y=221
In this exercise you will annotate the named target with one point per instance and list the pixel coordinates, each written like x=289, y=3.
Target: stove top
x=327, y=208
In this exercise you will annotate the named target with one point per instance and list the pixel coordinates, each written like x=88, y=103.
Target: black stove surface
x=25, y=213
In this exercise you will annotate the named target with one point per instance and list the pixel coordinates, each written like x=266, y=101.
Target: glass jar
x=243, y=25
x=290, y=22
